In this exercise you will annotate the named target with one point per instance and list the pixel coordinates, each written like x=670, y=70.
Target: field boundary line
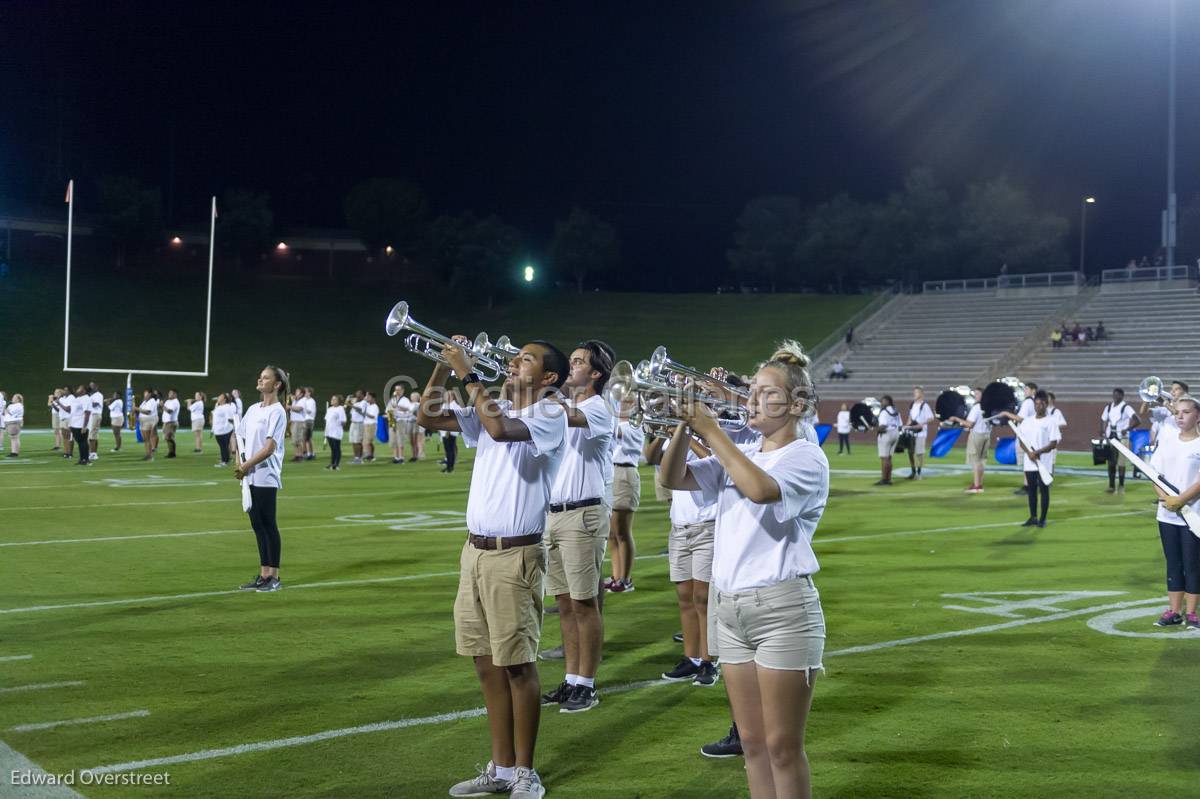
x=7, y=658
x=817, y=541
x=41, y=686
x=49, y=725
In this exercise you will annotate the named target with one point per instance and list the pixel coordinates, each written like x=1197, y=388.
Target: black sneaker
x=729, y=746
x=707, y=676
x=1041, y=523
x=558, y=695
x=1030, y=522
x=253, y=584
x=685, y=669
x=580, y=699
x=268, y=585
x=1169, y=618
x=677, y=638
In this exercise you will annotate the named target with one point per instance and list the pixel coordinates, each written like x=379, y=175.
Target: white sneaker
x=486, y=783
x=527, y=785
x=93, y=456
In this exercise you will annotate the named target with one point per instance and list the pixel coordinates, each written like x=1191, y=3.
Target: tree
x=768, y=232
x=476, y=256
x=999, y=225
x=389, y=212
x=912, y=235
x=584, y=245
x=831, y=252
x=130, y=214
x=244, y=225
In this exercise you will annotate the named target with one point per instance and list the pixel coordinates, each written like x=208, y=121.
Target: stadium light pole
x=1083, y=228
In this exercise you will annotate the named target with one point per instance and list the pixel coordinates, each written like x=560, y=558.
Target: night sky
x=663, y=118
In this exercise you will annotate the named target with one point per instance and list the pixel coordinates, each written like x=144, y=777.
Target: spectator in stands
x=1101, y=333
x=838, y=372
x=1056, y=338
x=850, y=336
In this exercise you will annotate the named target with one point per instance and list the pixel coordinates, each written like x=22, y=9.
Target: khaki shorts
x=405, y=428
x=356, y=432
x=94, y=425
x=977, y=446
x=627, y=488
x=887, y=443
x=498, y=609
x=778, y=627
x=298, y=429
x=64, y=424
x=117, y=421
x=309, y=424
x=690, y=552
x=13, y=429
x=575, y=542
x=148, y=423
x=169, y=429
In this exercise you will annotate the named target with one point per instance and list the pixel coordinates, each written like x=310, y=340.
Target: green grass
x=330, y=336
x=1052, y=708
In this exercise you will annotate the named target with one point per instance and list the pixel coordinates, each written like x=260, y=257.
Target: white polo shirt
x=223, y=419
x=511, y=480
x=586, y=467
x=171, y=411
x=920, y=413
x=757, y=546
x=1117, y=416
x=260, y=423
x=691, y=507
x=1038, y=433
x=627, y=443
x=843, y=422
x=1178, y=462
x=976, y=420
x=335, y=420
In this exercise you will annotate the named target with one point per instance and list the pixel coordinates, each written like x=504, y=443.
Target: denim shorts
x=778, y=627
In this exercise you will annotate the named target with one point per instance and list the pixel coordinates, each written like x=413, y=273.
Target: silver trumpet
x=1153, y=391
x=661, y=367
x=654, y=397
x=428, y=343
x=502, y=350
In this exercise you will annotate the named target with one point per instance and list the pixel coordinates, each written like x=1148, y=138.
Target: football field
x=966, y=656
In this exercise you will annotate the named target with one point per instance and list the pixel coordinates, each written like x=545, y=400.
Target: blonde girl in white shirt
x=196, y=410
x=1178, y=461
x=260, y=462
x=765, y=619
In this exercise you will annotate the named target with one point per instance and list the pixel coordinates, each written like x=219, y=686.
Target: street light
x=1083, y=228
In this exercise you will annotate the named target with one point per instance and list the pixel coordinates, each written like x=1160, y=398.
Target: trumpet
x=502, y=351
x=428, y=343
x=1152, y=391
x=661, y=367
x=654, y=397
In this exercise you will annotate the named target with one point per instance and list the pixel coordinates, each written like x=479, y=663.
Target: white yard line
x=41, y=686
x=444, y=718
x=49, y=725
x=282, y=496
x=6, y=658
x=818, y=541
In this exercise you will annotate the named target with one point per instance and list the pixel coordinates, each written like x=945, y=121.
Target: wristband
x=471, y=378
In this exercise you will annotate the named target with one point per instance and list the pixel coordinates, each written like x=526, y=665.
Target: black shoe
x=677, y=638
x=170, y=454
x=729, y=746
x=1030, y=522
x=685, y=669
x=707, y=676
x=911, y=475
x=558, y=695
x=268, y=585
x=580, y=699
x=1041, y=522
x=1021, y=491
x=883, y=482
x=253, y=584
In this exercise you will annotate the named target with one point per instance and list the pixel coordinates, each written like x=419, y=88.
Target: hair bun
x=792, y=353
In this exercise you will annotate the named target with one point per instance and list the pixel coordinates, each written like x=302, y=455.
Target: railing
x=1127, y=275
x=1033, y=280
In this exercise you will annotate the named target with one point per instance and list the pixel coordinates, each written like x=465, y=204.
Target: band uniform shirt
x=356, y=411
x=586, y=467
x=116, y=411
x=171, y=411
x=921, y=414
x=1038, y=433
x=511, y=480
x=335, y=419
x=260, y=423
x=297, y=412
x=978, y=423
x=889, y=419
x=843, y=422
x=1116, y=417
x=1178, y=462
x=370, y=415
x=403, y=409
x=1027, y=410
x=310, y=409
x=14, y=413
x=691, y=507
x=223, y=419
x=1057, y=416
x=97, y=406
x=79, y=407
x=760, y=545
x=196, y=412
x=627, y=443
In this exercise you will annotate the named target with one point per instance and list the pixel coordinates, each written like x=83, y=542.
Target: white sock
x=590, y=682
x=506, y=773
x=572, y=679
x=695, y=661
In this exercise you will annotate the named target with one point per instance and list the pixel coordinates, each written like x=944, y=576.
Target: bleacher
x=1150, y=333
x=935, y=340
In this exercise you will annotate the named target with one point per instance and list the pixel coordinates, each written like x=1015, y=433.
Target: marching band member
x=196, y=412
x=1025, y=411
x=765, y=616
x=887, y=434
x=400, y=415
x=1040, y=433
x=116, y=418
x=1163, y=416
x=502, y=568
x=310, y=422
x=690, y=554
x=224, y=418
x=3, y=427
x=417, y=436
x=297, y=416
x=1115, y=422
x=919, y=417
x=13, y=421
x=577, y=526
x=843, y=429
x=370, y=426
x=627, y=498
x=170, y=420
x=263, y=429
x=449, y=439
x=335, y=420
x=357, y=408
x=1055, y=413
x=81, y=414
x=1177, y=459
x=52, y=402
x=147, y=419
x=60, y=408
x=977, y=441
x=96, y=407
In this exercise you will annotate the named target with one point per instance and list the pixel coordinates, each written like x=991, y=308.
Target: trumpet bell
x=397, y=320
x=1151, y=390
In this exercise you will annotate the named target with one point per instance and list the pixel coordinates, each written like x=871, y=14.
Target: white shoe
x=486, y=783
x=93, y=456
x=527, y=785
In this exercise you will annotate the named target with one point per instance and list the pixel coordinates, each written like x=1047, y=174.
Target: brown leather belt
x=583, y=503
x=634, y=465
x=502, y=542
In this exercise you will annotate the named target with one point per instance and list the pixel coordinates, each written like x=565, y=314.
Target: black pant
x=844, y=440
x=335, y=451
x=1036, y=487
x=262, y=519
x=451, y=443
x=80, y=436
x=223, y=444
x=1182, y=550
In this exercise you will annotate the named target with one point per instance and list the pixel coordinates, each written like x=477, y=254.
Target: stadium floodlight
x=130, y=371
x=528, y=273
